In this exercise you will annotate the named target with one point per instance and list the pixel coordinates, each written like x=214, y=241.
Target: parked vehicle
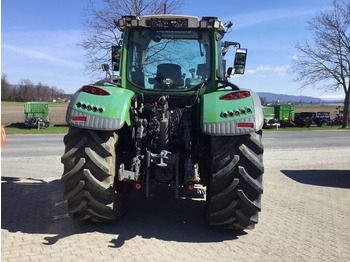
x=269, y=117
x=285, y=114
x=172, y=118
x=36, y=114
x=338, y=120
x=305, y=119
x=323, y=118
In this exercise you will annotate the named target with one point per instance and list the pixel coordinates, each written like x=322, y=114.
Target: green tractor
x=170, y=118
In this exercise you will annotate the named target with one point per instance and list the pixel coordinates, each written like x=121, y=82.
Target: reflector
x=250, y=125
x=79, y=118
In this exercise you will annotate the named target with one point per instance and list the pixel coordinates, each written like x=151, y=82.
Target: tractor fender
x=107, y=110
x=238, y=116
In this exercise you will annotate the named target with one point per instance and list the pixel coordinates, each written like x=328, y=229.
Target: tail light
x=235, y=95
x=95, y=90
x=190, y=187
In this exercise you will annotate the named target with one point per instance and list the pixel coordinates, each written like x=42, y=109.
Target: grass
x=305, y=106
x=19, y=128
x=7, y=103
x=311, y=128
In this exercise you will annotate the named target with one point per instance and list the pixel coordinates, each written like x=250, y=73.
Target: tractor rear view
x=171, y=118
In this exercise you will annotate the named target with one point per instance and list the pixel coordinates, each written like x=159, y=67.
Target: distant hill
x=270, y=97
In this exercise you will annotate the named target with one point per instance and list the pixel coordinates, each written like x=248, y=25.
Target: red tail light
x=235, y=95
x=95, y=90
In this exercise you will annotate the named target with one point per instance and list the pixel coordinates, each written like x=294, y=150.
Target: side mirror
x=116, y=53
x=240, y=60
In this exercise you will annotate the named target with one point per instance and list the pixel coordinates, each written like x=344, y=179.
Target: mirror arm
x=226, y=46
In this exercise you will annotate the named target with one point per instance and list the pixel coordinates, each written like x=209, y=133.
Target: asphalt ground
x=305, y=210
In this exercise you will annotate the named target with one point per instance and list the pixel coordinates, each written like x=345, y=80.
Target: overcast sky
x=39, y=40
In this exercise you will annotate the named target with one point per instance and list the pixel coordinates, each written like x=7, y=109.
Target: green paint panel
x=284, y=112
x=214, y=109
x=39, y=109
x=116, y=105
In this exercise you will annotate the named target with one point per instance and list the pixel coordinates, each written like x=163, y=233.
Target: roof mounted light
x=212, y=22
x=127, y=21
x=203, y=24
x=135, y=22
x=121, y=23
x=216, y=24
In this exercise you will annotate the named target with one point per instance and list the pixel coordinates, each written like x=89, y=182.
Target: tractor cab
x=173, y=53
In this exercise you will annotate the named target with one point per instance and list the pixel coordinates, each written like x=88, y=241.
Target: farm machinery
x=323, y=118
x=285, y=114
x=36, y=114
x=338, y=120
x=170, y=118
x=269, y=117
x=305, y=119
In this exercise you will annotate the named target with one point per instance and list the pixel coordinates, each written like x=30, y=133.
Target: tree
x=263, y=100
x=26, y=91
x=100, y=32
x=41, y=92
x=5, y=88
x=325, y=61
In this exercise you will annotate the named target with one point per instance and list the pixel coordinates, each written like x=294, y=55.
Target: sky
x=39, y=41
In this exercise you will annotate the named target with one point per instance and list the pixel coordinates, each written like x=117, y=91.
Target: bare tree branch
x=100, y=34
x=326, y=60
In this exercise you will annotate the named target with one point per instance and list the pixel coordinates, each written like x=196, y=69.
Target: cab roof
x=174, y=22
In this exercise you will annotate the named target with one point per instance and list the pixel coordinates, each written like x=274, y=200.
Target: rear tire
x=91, y=188
x=235, y=185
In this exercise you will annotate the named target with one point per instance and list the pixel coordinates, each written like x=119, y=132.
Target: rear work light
x=235, y=95
x=95, y=90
